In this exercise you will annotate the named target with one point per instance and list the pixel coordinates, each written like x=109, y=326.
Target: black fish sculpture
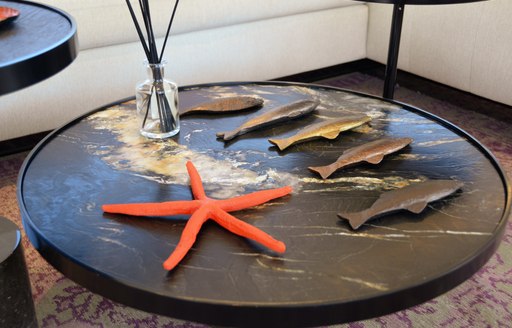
x=372, y=152
x=276, y=115
x=413, y=198
x=225, y=104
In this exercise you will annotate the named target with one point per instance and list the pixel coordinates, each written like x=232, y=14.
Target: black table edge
x=37, y=67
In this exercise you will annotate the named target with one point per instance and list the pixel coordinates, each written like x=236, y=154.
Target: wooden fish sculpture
x=413, y=198
x=328, y=129
x=371, y=152
x=279, y=114
x=225, y=104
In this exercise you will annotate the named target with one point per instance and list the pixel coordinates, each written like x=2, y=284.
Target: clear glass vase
x=157, y=104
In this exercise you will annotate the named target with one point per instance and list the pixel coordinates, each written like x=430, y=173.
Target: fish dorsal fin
x=227, y=135
x=332, y=134
x=417, y=207
x=376, y=159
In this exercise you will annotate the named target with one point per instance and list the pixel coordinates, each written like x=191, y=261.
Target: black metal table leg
x=394, y=46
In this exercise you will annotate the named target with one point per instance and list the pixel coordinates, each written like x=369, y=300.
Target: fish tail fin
x=355, y=219
x=282, y=144
x=324, y=171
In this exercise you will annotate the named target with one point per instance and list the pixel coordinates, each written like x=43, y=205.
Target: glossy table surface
x=329, y=273
x=39, y=43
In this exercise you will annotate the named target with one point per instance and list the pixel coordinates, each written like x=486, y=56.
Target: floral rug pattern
x=484, y=300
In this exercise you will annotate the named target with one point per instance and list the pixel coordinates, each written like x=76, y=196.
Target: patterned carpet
x=485, y=300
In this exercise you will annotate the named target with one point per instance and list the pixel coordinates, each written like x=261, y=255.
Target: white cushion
x=108, y=22
x=491, y=64
x=466, y=46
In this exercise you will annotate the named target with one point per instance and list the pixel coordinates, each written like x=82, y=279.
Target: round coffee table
x=37, y=45
x=396, y=31
x=329, y=273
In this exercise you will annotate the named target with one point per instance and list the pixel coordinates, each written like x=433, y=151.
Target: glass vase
x=157, y=104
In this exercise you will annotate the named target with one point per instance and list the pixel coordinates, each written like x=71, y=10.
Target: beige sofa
x=465, y=46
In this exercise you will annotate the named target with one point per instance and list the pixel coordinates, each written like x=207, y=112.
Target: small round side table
x=37, y=45
x=396, y=30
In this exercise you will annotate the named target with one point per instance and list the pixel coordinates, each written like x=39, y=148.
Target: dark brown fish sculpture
x=413, y=198
x=329, y=129
x=277, y=115
x=225, y=104
x=371, y=152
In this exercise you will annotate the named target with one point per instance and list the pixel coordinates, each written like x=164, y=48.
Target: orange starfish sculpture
x=203, y=208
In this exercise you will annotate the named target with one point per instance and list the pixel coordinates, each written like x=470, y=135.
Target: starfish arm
x=153, y=209
x=252, y=199
x=244, y=229
x=195, y=182
x=188, y=237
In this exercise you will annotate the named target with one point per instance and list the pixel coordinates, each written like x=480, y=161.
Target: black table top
x=39, y=43
x=422, y=2
x=329, y=273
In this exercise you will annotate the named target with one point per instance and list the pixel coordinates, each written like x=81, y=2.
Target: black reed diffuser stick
x=149, y=46
x=168, y=29
x=148, y=41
